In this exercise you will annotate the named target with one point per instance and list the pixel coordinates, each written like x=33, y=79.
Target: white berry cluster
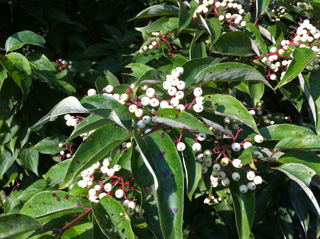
x=88, y=176
x=225, y=10
x=131, y=207
x=278, y=13
x=262, y=113
x=26, y=50
x=156, y=40
x=212, y=200
x=280, y=58
x=63, y=152
x=71, y=120
x=63, y=64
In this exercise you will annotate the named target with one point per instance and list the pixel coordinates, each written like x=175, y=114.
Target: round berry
x=181, y=85
x=196, y=147
x=104, y=169
x=175, y=73
x=216, y=167
x=119, y=193
x=204, y=170
x=226, y=120
x=91, y=92
x=116, y=96
x=139, y=113
x=179, y=95
x=200, y=100
x=243, y=188
x=124, y=97
x=180, y=69
x=166, y=85
x=146, y=119
x=164, y=104
x=237, y=163
x=145, y=101
x=225, y=182
x=181, y=146
x=251, y=186
x=222, y=175
x=207, y=153
x=174, y=101
x=200, y=157
x=251, y=175
x=117, y=167
x=172, y=91
x=154, y=102
x=181, y=107
x=150, y=92
x=141, y=124
x=197, y=91
x=235, y=176
x=101, y=195
x=201, y=136
x=236, y=147
x=110, y=172
x=92, y=192
x=258, y=138
x=133, y=108
x=198, y=108
x=208, y=162
x=224, y=162
x=257, y=180
x=109, y=88
x=247, y=145
x=132, y=205
x=106, y=162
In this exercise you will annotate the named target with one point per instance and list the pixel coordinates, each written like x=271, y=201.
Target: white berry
x=139, y=113
x=235, y=176
x=197, y=91
x=91, y=92
x=119, y=193
x=251, y=186
x=251, y=175
x=133, y=108
x=109, y=88
x=243, y=188
x=236, y=147
x=258, y=138
x=198, y=108
x=150, y=92
x=201, y=136
x=196, y=147
x=247, y=145
x=181, y=146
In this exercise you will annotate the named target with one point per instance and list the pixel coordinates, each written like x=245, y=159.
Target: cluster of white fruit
x=280, y=58
x=71, y=120
x=211, y=200
x=88, y=176
x=226, y=10
x=26, y=50
x=278, y=13
x=64, y=64
x=155, y=41
x=62, y=152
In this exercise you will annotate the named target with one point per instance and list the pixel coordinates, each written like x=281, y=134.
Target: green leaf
x=7, y=158
x=282, y=131
x=261, y=6
x=185, y=16
x=233, y=44
x=33, y=189
x=193, y=168
x=154, y=27
x=50, y=145
x=182, y=120
x=230, y=71
x=14, y=225
x=68, y=105
x=254, y=34
x=160, y=151
x=19, y=69
x=231, y=107
x=110, y=108
x=308, y=159
x=314, y=87
x=93, y=149
x=92, y=122
x=3, y=75
x=158, y=10
x=139, y=69
x=150, y=77
x=100, y=83
x=79, y=231
x=19, y=39
x=301, y=58
x=299, y=171
x=193, y=67
x=49, y=202
x=256, y=91
x=214, y=27
x=197, y=50
x=303, y=142
x=107, y=214
x=112, y=79
x=244, y=207
x=30, y=159
x=57, y=172
x=246, y=155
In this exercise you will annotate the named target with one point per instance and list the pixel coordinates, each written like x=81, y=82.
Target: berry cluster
x=225, y=10
x=63, y=64
x=278, y=12
x=280, y=58
x=212, y=200
x=157, y=40
x=67, y=148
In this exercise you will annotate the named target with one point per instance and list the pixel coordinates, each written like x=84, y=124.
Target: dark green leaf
x=310, y=142
x=14, y=225
x=214, y=27
x=282, y=131
x=93, y=149
x=107, y=214
x=150, y=77
x=261, y=6
x=299, y=171
x=57, y=172
x=33, y=189
x=301, y=58
x=7, y=158
x=246, y=155
x=50, y=145
x=197, y=50
x=182, y=120
x=79, y=231
x=154, y=27
x=254, y=34
x=185, y=15
x=158, y=10
x=30, y=159
x=18, y=40
x=234, y=44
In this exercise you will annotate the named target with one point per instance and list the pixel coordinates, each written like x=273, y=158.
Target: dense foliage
x=160, y=119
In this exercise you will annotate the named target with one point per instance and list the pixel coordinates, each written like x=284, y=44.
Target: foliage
x=209, y=128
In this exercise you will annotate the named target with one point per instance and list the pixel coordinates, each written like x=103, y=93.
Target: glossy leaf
x=112, y=79
x=154, y=27
x=80, y=231
x=7, y=158
x=57, y=172
x=92, y=122
x=182, y=120
x=233, y=44
x=67, y=106
x=108, y=107
x=185, y=15
x=158, y=10
x=14, y=225
x=229, y=105
x=231, y=71
x=197, y=50
x=19, y=69
x=314, y=88
x=214, y=27
x=254, y=34
x=30, y=159
x=150, y=77
x=246, y=155
x=93, y=149
x=107, y=214
x=301, y=58
x=299, y=171
x=18, y=40
x=261, y=6
x=50, y=145
x=308, y=159
x=48, y=202
x=310, y=142
x=244, y=208
x=164, y=160
x=281, y=131
x=33, y=189
x=256, y=91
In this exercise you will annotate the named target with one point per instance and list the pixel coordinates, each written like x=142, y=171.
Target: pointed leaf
x=79, y=231
x=229, y=105
x=14, y=225
x=281, y=131
x=183, y=120
x=68, y=105
x=158, y=10
x=49, y=202
x=30, y=159
x=214, y=27
x=185, y=15
x=261, y=6
x=33, y=189
x=254, y=35
x=18, y=40
x=50, y=145
x=57, y=172
x=301, y=58
x=310, y=142
x=93, y=149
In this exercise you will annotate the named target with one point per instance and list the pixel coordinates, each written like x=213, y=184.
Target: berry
x=224, y=162
x=258, y=138
x=235, y=176
x=166, y=85
x=236, y=147
x=128, y=145
x=181, y=85
x=207, y=153
x=141, y=124
x=237, y=163
x=196, y=147
x=204, y=169
x=225, y=182
x=109, y=88
x=108, y=187
x=251, y=186
x=124, y=97
x=197, y=91
x=216, y=167
x=208, y=162
x=181, y=107
x=154, y=102
x=179, y=95
x=150, y=92
x=139, y=113
x=247, y=145
x=200, y=157
x=164, y=104
x=198, y=108
x=106, y=162
x=243, y=188
x=257, y=180
x=101, y=195
x=145, y=101
x=92, y=192
x=91, y=92
x=172, y=91
x=226, y=120
x=222, y=175
x=174, y=101
x=119, y=193
x=110, y=172
x=201, y=136
x=146, y=119
x=251, y=175
x=181, y=146
x=200, y=100
x=117, y=167
x=132, y=205
x=133, y=108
